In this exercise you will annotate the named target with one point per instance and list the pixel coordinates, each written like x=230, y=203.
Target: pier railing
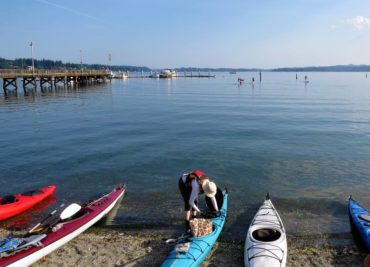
x=14, y=73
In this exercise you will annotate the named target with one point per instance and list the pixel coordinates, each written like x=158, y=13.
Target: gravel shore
x=117, y=247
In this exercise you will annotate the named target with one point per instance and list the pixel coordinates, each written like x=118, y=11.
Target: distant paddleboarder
x=305, y=79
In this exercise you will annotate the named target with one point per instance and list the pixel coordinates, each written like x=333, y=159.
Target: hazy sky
x=198, y=33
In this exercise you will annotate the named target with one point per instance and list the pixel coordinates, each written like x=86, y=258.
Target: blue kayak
x=198, y=247
x=360, y=219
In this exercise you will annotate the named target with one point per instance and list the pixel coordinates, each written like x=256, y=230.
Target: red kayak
x=14, y=204
x=65, y=230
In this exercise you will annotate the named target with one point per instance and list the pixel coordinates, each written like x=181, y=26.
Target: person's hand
x=200, y=214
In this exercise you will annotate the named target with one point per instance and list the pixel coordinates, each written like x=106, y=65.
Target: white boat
x=165, y=74
x=168, y=74
x=154, y=75
x=173, y=73
x=266, y=244
x=118, y=75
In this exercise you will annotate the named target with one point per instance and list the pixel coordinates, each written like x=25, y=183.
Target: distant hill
x=189, y=69
x=23, y=63
x=336, y=68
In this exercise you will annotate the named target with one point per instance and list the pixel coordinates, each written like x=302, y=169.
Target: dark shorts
x=185, y=193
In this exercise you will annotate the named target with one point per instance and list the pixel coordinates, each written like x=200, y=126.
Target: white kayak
x=266, y=244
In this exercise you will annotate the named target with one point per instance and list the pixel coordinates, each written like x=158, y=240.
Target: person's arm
x=214, y=203
x=194, y=194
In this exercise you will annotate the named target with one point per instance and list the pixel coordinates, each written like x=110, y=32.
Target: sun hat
x=209, y=188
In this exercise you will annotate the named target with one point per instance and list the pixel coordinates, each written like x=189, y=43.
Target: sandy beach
x=117, y=247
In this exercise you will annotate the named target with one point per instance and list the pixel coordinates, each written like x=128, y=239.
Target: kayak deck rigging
x=266, y=240
x=271, y=250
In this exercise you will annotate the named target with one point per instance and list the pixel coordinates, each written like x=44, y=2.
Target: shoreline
x=105, y=246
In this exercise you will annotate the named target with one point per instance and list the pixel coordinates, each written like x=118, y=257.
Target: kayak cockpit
x=8, y=199
x=266, y=234
x=78, y=215
x=31, y=193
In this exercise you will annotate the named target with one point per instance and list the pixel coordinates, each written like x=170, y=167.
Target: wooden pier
x=48, y=78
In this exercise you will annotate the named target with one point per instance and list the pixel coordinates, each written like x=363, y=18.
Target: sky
x=191, y=33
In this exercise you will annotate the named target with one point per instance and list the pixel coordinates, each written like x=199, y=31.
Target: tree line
x=24, y=63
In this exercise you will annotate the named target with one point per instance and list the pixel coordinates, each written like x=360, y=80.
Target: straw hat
x=209, y=188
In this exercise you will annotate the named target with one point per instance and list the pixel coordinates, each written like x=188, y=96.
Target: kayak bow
x=266, y=244
x=360, y=220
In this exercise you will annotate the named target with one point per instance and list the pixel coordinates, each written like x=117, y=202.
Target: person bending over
x=191, y=185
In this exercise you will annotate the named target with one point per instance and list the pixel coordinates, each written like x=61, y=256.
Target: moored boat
x=165, y=74
x=65, y=230
x=266, y=244
x=12, y=205
x=154, y=75
x=196, y=249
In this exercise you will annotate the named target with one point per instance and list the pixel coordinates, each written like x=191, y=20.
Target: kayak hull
x=24, y=202
x=68, y=230
x=199, y=246
x=266, y=243
x=355, y=210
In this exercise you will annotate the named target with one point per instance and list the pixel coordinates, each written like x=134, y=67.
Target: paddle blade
x=70, y=211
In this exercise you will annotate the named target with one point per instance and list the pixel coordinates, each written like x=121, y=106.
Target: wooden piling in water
x=7, y=82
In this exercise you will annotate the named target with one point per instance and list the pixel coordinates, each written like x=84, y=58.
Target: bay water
x=307, y=144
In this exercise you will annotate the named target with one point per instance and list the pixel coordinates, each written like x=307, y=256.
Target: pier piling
x=8, y=82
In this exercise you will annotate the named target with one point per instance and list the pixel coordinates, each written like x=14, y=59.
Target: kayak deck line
x=269, y=250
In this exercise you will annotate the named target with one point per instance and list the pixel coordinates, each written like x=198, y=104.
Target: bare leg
x=187, y=215
x=194, y=213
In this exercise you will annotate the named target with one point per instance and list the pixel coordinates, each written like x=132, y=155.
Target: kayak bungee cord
x=274, y=256
x=260, y=221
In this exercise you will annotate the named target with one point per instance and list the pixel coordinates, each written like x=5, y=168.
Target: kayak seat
x=364, y=217
x=31, y=193
x=266, y=234
x=8, y=199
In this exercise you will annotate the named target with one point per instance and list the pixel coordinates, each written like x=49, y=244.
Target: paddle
x=43, y=220
x=70, y=211
x=66, y=213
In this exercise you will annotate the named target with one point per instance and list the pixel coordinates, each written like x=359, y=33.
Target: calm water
x=308, y=145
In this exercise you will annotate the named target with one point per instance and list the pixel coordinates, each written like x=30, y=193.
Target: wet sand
x=116, y=247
